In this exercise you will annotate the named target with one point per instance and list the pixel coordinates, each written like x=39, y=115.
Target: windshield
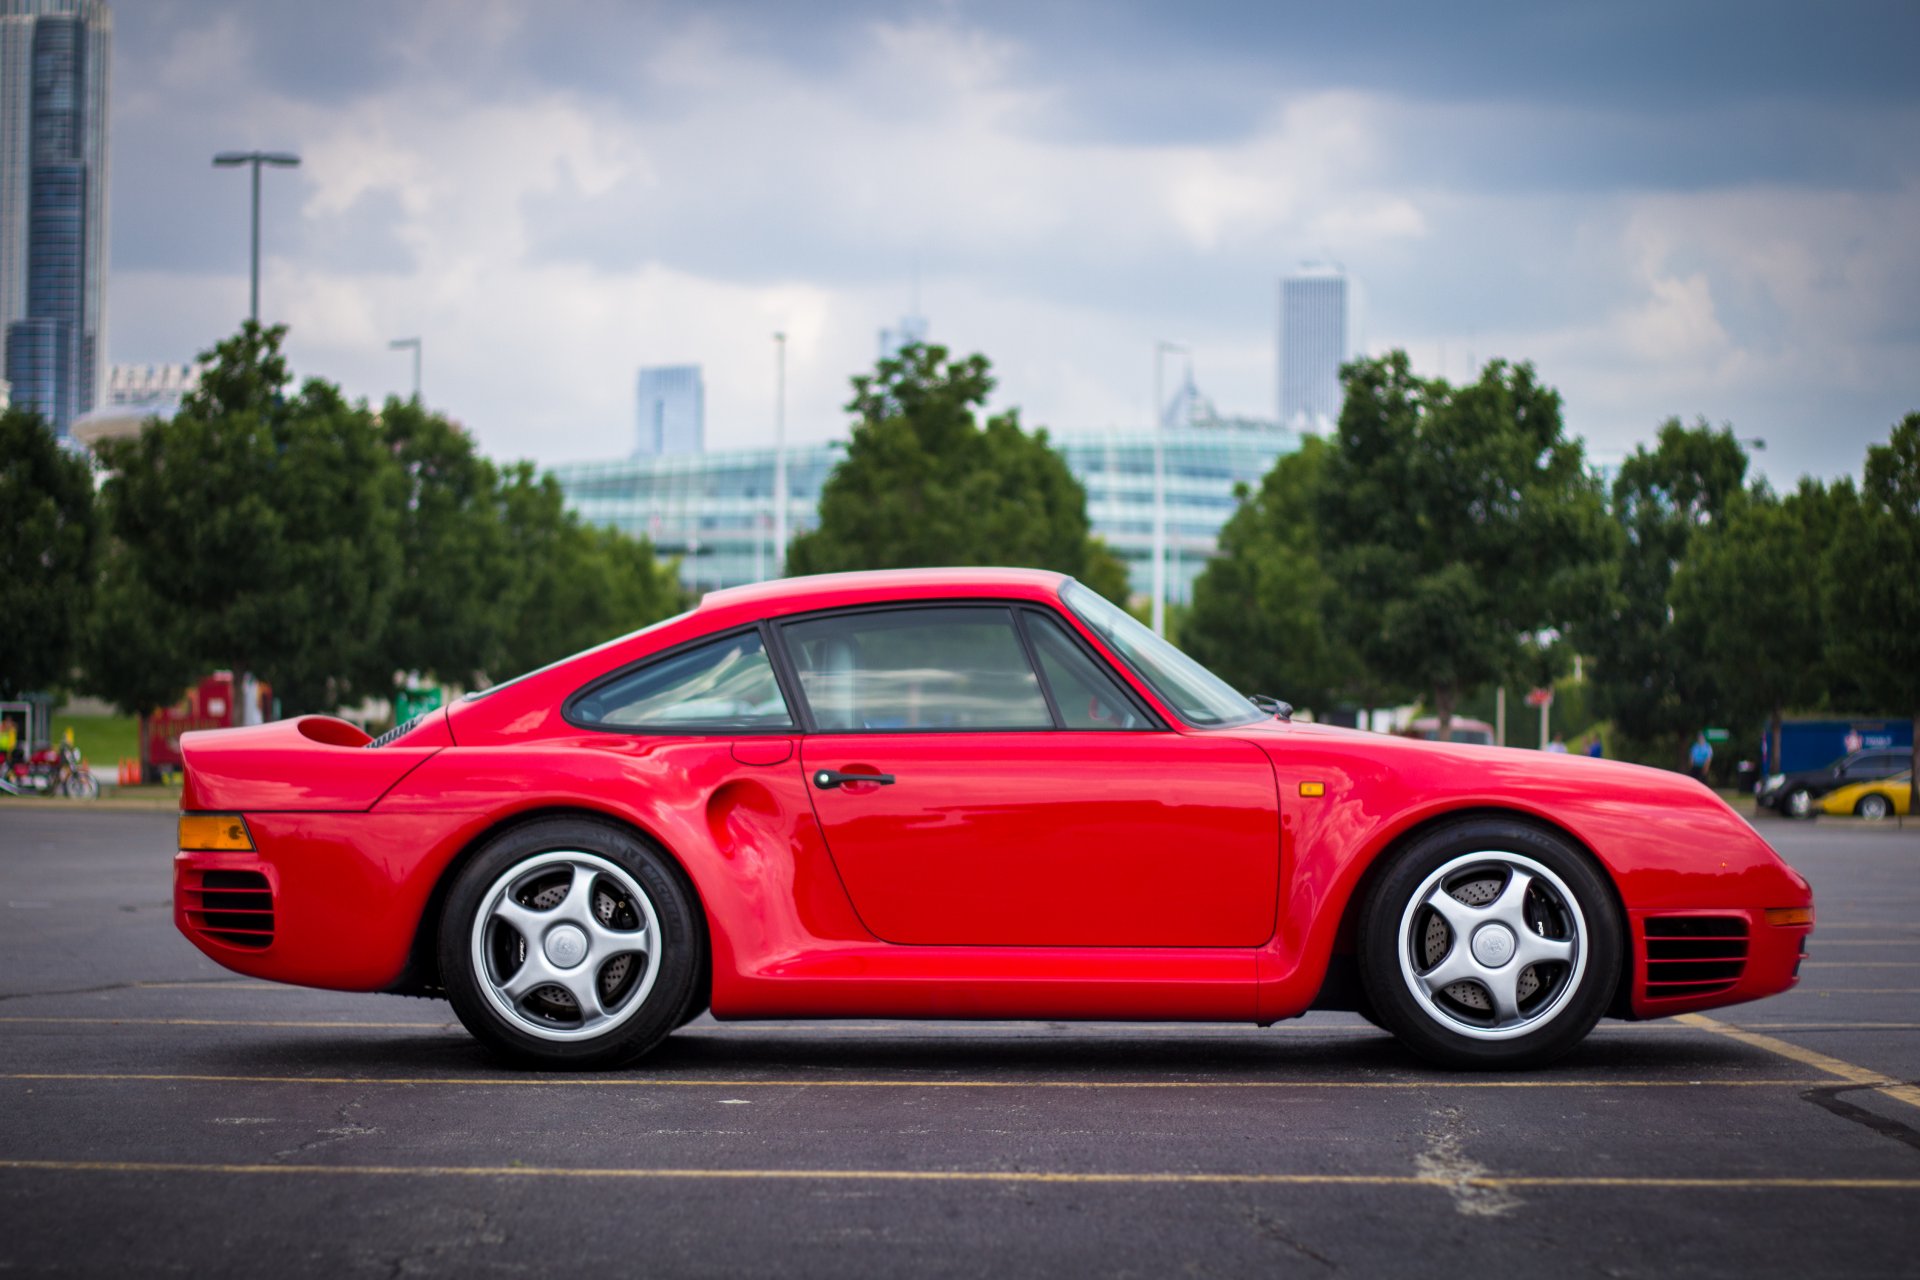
x=1199, y=696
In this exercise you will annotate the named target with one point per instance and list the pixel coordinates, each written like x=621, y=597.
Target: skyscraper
x=673, y=411
x=53, y=201
x=1313, y=346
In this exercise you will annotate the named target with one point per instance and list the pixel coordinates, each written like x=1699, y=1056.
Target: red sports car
x=964, y=793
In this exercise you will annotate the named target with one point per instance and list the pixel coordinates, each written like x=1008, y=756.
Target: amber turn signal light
x=214, y=831
x=1313, y=788
x=1789, y=915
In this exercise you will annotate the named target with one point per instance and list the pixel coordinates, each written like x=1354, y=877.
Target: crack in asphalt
x=111, y=986
x=1444, y=1161
x=1829, y=1099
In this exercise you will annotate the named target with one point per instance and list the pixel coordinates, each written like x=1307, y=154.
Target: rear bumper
x=323, y=900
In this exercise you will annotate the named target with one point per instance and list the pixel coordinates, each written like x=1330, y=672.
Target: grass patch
x=103, y=740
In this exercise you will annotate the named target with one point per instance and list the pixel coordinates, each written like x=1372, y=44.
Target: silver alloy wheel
x=566, y=945
x=1492, y=945
x=1873, y=808
x=1799, y=803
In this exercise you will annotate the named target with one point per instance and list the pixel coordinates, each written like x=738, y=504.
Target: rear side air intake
x=230, y=907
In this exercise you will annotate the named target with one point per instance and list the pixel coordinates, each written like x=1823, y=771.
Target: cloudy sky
x=1670, y=208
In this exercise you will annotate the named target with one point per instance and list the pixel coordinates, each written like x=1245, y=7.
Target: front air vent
x=233, y=907
x=1686, y=956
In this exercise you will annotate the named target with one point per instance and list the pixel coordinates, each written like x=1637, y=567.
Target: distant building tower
x=673, y=411
x=54, y=58
x=1313, y=346
x=911, y=331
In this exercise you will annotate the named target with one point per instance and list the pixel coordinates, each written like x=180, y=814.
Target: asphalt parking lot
x=160, y=1114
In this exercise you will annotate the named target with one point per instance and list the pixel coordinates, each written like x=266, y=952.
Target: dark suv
x=1794, y=793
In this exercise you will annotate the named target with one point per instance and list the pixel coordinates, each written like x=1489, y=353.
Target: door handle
x=828, y=779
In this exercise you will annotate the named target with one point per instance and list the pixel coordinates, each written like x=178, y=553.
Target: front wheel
x=81, y=786
x=1798, y=804
x=568, y=944
x=1873, y=808
x=1490, y=944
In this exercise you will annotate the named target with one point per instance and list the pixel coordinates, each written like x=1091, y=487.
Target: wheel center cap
x=567, y=946
x=1493, y=945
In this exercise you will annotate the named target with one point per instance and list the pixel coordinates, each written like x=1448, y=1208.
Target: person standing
x=1699, y=757
x=1595, y=748
x=1557, y=747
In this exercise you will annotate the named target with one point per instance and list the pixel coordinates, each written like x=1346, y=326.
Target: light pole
x=402, y=344
x=1160, y=350
x=780, y=454
x=233, y=159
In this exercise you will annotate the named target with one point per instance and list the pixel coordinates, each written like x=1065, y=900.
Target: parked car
x=1462, y=729
x=1794, y=793
x=959, y=793
x=1872, y=800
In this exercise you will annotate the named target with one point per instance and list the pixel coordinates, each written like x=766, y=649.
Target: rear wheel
x=1798, y=804
x=1490, y=944
x=1873, y=807
x=567, y=944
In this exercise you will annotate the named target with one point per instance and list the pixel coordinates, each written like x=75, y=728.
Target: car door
x=983, y=779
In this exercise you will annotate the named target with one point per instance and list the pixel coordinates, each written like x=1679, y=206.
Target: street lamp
x=779, y=453
x=1161, y=349
x=233, y=159
x=402, y=344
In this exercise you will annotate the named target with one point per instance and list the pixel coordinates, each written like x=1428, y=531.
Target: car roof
x=824, y=590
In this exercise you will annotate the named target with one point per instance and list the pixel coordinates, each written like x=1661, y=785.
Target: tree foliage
x=47, y=554
x=925, y=482
x=1749, y=591
x=1458, y=524
x=1264, y=614
x=1650, y=673
x=328, y=549
x=1871, y=576
x=268, y=522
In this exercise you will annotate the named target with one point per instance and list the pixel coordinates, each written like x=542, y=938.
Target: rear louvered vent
x=234, y=907
x=1693, y=955
x=395, y=732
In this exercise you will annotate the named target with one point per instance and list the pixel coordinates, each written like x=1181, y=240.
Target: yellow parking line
x=1862, y=964
x=1832, y=1026
x=1847, y=1071
x=967, y=1175
x=1864, y=942
x=1864, y=991
x=707, y=1082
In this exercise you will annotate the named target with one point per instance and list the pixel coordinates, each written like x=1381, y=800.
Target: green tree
x=569, y=586
x=447, y=620
x=1872, y=584
x=1749, y=590
x=1261, y=608
x=47, y=555
x=136, y=651
x=925, y=482
x=267, y=522
x=1649, y=673
x=1459, y=524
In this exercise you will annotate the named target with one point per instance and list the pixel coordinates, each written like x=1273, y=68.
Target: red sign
x=1539, y=697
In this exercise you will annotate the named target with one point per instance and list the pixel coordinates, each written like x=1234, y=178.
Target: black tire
x=479, y=957
x=1571, y=922
x=1873, y=808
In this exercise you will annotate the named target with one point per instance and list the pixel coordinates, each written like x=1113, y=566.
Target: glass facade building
x=53, y=205
x=715, y=510
x=672, y=411
x=1313, y=346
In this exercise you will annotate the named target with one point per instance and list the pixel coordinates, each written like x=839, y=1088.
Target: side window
x=926, y=670
x=725, y=684
x=1088, y=697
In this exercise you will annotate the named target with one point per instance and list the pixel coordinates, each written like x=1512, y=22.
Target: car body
x=967, y=793
x=1793, y=794
x=1885, y=797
